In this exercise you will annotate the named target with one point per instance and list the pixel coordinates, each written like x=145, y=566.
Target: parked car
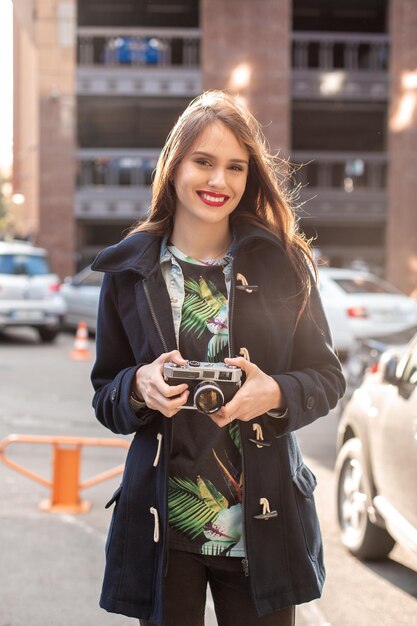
x=342, y=334
x=81, y=294
x=376, y=465
x=362, y=302
x=29, y=290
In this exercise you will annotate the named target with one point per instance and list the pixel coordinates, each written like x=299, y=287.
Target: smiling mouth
x=213, y=199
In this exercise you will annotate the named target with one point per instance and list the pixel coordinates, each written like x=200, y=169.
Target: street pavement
x=52, y=564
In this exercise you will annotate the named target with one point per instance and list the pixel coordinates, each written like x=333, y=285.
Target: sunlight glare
x=240, y=77
x=404, y=114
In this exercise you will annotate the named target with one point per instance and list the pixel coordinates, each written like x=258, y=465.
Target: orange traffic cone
x=80, y=351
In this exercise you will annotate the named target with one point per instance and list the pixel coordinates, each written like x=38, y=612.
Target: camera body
x=211, y=385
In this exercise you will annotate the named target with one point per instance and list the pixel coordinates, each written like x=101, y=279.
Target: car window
x=364, y=285
x=26, y=264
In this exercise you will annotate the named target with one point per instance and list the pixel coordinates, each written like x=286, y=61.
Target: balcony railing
x=114, y=184
x=340, y=186
x=337, y=186
x=139, y=47
x=341, y=170
x=353, y=52
x=351, y=66
x=124, y=168
x=139, y=62
x=112, y=203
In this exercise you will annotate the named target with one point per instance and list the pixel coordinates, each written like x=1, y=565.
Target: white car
x=29, y=291
x=362, y=305
x=81, y=294
x=376, y=466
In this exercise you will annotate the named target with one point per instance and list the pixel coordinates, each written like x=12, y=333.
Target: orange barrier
x=65, y=483
x=80, y=351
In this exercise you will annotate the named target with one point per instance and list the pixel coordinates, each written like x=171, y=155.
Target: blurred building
x=99, y=84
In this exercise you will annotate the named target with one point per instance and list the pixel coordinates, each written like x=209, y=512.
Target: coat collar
x=140, y=252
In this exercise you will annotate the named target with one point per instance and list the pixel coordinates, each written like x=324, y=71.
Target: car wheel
x=359, y=535
x=47, y=335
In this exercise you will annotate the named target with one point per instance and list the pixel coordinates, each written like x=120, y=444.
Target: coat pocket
x=113, y=500
x=305, y=483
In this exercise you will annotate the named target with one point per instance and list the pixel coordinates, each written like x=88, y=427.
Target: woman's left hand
x=259, y=394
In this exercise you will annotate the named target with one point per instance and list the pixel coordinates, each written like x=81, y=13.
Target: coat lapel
x=154, y=308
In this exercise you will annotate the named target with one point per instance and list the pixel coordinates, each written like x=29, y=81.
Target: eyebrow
x=212, y=156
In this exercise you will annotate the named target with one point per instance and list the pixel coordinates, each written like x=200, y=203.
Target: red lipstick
x=213, y=199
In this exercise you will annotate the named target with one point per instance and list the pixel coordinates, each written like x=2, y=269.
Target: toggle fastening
x=259, y=441
x=245, y=285
x=266, y=511
x=245, y=353
x=156, y=524
x=158, y=451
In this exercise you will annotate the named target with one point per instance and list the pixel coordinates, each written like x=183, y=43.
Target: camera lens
x=208, y=397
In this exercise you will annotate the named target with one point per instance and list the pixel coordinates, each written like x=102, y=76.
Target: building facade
x=100, y=83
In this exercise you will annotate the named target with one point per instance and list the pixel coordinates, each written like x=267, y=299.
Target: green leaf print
x=192, y=506
x=197, y=509
x=205, y=308
x=234, y=433
x=216, y=344
x=212, y=497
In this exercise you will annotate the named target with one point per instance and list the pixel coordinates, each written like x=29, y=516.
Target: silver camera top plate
x=196, y=370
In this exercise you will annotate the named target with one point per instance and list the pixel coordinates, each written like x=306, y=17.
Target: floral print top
x=205, y=485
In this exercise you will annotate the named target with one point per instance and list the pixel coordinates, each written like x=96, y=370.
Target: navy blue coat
x=134, y=327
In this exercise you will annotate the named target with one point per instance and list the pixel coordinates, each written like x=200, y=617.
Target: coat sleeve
x=315, y=382
x=115, y=368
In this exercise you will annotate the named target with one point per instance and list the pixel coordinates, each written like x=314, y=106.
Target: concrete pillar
x=246, y=48
x=402, y=147
x=55, y=30
x=44, y=125
x=25, y=120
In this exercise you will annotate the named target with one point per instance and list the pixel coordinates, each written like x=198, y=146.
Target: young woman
x=216, y=274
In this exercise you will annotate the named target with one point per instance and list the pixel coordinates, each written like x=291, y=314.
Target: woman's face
x=211, y=178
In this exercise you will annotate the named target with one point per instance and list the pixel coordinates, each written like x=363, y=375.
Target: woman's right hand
x=150, y=386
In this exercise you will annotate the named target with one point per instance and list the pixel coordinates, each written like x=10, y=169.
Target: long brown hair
x=266, y=201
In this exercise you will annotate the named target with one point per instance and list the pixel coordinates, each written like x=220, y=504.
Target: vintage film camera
x=211, y=385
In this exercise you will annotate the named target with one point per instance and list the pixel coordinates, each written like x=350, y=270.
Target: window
x=364, y=285
x=26, y=264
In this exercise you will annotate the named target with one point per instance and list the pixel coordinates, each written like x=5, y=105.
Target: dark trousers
x=185, y=593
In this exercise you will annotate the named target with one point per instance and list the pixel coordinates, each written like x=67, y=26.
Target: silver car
x=81, y=294
x=29, y=290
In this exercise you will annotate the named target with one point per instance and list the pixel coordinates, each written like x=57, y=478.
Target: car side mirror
x=389, y=370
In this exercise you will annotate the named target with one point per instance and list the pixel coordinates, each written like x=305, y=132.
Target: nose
x=217, y=178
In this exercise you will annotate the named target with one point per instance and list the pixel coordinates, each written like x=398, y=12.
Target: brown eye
x=203, y=162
